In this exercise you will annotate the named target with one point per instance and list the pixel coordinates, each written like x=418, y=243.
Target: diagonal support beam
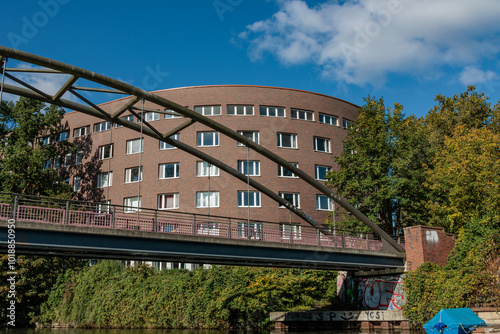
x=125, y=107
x=65, y=88
x=179, y=128
x=13, y=78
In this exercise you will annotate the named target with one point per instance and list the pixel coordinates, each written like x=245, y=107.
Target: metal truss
x=50, y=66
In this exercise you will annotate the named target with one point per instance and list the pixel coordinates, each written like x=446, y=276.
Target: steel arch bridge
x=137, y=95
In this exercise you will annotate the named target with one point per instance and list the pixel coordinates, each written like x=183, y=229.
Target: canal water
x=179, y=331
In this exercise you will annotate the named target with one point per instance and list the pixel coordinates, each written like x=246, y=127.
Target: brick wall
x=427, y=244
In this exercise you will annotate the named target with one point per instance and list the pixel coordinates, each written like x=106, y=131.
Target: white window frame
x=293, y=140
x=102, y=126
x=130, y=146
x=81, y=131
x=254, y=165
x=165, y=146
x=129, y=172
x=271, y=111
x=151, y=116
x=295, y=229
x=67, y=159
x=77, y=183
x=56, y=162
x=128, y=204
x=281, y=171
x=245, y=195
x=64, y=135
x=253, y=134
x=295, y=198
x=328, y=119
x=128, y=118
x=162, y=201
x=104, y=183
x=168, y=116
x=207, y=199
x=304, y=115
x=319, y=199
x=347, y=124
x=326, y=144
x=79, y=158
x=200, y=138
x=317, y=169
x=102, y=151
x=161, y=170
x=240, y=110
x=214, y=110
x=203, y=168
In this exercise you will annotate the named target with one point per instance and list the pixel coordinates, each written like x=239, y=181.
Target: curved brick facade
x=310, y=134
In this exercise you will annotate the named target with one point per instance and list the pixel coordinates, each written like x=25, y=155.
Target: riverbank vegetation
x=109, y=295
x=439, y=170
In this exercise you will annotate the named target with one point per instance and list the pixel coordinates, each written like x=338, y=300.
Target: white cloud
x=471, y=75
x=362, y=41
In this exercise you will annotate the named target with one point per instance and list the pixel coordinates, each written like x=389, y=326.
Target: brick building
x=304, y=128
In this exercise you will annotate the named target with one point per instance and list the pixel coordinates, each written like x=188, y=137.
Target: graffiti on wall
x=382, y=293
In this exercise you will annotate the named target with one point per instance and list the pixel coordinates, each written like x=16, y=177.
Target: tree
x=380, y=171
x=24, y=160
x=467, y=175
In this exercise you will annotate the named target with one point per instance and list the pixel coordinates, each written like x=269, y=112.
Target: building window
x=328, y=119
x=168, y=201
x=324, y=203
x=252, y=135
x=208, y=110
x=171, y=114
x=57, y=162
x=103, y=206
x=237, y=110
x=77, y=182
x=84, y=130
x=250, y=230
x=250, y=168
x=346, y=124
x=320, y=172
x=208, y=138
x=249, y=199
x=206, y=199
x=204, y=168
x=165, y=146
x=132, y=204
x=322, y=144
x=67, y=160
x=62, y=136
x=272, y=111
x=133, y=174
x=129, y=118
x=169, y=171
x=105, y=180
x=79, y=158
x=283, y=172
x=151, y=116
x=287, y=140
x=105, y=151
x=305, y=115
x=290, y=229
x=135, y=146
x=103, y=126
x=293, y=198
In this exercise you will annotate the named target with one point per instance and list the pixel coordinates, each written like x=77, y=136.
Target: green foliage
x=381, y=167
x=34, y=281
x=108, y=295
x=22, y=158
x=470, y=278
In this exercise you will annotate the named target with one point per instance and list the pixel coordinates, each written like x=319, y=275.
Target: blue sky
x=405, y=51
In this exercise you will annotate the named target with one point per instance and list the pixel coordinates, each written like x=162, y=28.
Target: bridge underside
x=63, y=240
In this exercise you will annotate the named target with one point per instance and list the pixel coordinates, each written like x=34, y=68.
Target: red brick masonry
x=427, y=244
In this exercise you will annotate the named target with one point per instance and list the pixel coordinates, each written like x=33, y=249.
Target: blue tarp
x=454, y=321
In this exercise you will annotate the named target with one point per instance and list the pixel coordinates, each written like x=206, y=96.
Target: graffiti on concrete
x=382, y=293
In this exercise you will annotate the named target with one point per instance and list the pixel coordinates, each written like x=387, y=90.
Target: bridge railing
x=101, y=215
